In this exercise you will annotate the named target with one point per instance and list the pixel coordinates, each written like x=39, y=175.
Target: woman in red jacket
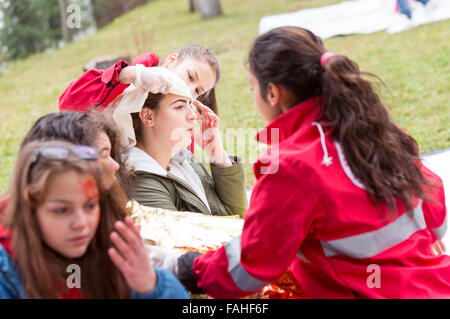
x=341, y=198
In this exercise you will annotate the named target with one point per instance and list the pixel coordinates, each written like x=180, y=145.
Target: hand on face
x=130, y=256
x=209, y=137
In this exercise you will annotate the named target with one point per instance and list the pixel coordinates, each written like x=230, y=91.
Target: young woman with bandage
x=159, y=128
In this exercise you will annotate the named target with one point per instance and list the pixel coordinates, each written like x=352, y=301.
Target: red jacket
x=5, y=234
x=313, y=216
x=99, y=87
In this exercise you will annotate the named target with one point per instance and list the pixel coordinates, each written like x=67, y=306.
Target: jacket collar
x=141, y=161
x=298, y=117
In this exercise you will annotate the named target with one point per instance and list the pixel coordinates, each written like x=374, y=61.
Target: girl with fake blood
x=341, y=198
x=62, y=222
x=78, y=128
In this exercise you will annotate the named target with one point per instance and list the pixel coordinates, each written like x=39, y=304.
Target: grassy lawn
x=414, y=64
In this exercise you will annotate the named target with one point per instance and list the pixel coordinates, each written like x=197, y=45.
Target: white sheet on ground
x=439, y=163
x=349, y=17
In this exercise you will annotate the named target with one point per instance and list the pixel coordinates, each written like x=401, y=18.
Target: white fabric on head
x=134, y=97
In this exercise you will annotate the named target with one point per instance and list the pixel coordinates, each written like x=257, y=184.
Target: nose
x=114, y=165
x=80, y=219
x=192, y=115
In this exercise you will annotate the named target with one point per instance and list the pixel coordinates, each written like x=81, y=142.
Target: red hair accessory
x=325, y=57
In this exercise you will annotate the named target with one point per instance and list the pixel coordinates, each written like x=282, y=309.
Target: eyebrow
x=69, y=202
x=179, y=100
x=60, y=201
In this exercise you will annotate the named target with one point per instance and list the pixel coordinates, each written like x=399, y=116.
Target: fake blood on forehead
x=90, y=188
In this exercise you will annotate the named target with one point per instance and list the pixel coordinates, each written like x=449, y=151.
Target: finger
x=442, y=246
x=202, y=106
x=118, y=261
x=121, y=245
x=131, y=225
x=197, y=113
x=129, y=236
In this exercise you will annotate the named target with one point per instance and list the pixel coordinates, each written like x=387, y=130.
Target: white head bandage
x=134, y=97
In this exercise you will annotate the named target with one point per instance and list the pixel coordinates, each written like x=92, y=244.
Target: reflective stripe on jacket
x=309, y=212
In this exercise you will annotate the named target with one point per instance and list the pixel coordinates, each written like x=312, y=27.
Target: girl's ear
x=279, y=97
x=147, y=117
x=273, y=94
x=171, y=60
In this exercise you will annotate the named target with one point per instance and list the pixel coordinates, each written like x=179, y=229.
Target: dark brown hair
x=81, y=128
x=42, y=269
x=201, y=53
x=381, y=155
x=152, y=103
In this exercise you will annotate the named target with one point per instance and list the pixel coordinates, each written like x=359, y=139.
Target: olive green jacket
x=155, y=187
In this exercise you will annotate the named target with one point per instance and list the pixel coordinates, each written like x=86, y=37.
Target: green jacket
x=155, y=187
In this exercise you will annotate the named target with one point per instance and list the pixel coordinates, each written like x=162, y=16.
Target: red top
x=5, y=234
x=311, y=215
x=98, y=88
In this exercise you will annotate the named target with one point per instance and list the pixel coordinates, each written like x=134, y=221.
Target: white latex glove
x=160, y=80
x=165, y=258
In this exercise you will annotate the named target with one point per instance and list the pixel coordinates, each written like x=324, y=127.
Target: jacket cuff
x=236, y=168
x=167, y=287
x=186, y=272
x=110, y=75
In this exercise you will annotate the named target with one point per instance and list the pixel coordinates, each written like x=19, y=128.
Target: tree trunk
x=66, y=31
x=125, y=7
x=191, y=6
x=209, y=8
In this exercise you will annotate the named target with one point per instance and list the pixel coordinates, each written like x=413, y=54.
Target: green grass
x=414, y=64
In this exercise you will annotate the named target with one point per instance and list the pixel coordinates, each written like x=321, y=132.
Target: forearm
x=221, y=159
x=127, y=75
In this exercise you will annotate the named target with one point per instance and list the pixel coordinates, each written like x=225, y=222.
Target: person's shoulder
x=9, y=277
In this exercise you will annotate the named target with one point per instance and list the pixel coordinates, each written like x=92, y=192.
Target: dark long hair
x=381, y=155
x=42, y=269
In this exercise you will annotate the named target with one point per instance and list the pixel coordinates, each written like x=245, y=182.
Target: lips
x=80, y=240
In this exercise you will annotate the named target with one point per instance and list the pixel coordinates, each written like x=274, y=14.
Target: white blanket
x=349, y=17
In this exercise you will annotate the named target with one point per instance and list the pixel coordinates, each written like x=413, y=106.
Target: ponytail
x=380, y=154
x=383, y=157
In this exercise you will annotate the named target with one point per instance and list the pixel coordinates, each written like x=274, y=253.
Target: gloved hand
x=166, y=258
x=160, y=80
x=154, y=79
